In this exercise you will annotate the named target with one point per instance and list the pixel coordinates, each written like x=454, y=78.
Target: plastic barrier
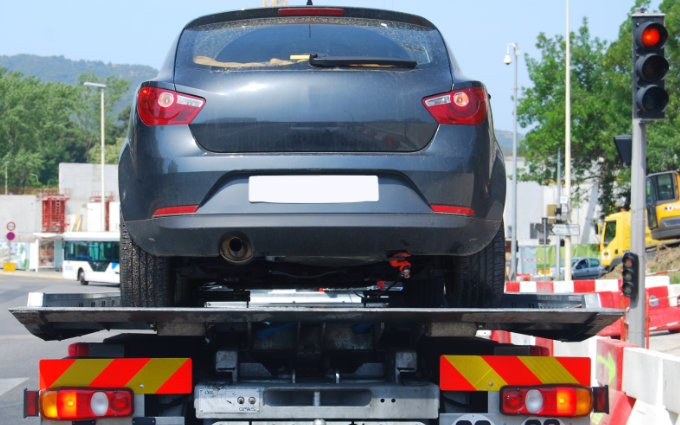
x=663, y=310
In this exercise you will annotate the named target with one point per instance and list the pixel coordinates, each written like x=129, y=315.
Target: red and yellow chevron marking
x=142, y=376
x=490, y=373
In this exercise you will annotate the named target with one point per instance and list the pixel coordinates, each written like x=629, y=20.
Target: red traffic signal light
x=653, y=36
x=649, y=66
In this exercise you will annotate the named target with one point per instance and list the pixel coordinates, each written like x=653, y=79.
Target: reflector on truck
x=142, y=375
x=491, y=373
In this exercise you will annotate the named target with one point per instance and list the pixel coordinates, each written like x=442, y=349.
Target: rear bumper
x=315, y=235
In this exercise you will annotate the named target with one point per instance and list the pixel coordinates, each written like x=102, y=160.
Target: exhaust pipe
x=236, y=250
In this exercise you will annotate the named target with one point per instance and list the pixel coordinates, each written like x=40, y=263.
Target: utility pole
x=558, y=254
x=101, y=88
x=567, y=149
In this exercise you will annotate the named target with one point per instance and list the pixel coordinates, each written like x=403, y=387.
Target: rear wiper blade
x=336, y=61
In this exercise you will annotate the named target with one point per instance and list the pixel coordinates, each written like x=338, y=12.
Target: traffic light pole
x=650, y=99
x=636, y=315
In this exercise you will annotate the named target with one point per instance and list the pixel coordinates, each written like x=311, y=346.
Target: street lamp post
x=101, y=128
x=567, y=145
x=6, y=164
x=513, y=256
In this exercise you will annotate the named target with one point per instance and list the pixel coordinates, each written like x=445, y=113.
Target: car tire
x=81, y=277
x=145, y=279
x=478, y=280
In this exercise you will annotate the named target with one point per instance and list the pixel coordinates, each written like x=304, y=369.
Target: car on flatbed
x=312, y=147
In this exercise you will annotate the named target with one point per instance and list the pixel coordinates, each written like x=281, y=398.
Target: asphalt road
x=21, y=351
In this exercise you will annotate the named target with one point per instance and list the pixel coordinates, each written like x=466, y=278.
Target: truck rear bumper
x=416, y=400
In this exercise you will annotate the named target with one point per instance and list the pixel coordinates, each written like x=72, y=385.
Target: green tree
x=601, y=108
x=596, y=113
x=663, y=139
x=35, y=128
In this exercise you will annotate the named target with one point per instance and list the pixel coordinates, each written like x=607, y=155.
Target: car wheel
x=145, y=280
x=81, y=277
x=478, y=280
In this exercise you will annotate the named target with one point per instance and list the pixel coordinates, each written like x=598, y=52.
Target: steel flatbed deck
x=567, y=317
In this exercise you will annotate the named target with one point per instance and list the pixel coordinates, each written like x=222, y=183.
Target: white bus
x=91, y=257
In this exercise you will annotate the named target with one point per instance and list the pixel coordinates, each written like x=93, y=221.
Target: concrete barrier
x=671, y=384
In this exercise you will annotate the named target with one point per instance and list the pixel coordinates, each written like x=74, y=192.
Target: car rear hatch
x=349, y=80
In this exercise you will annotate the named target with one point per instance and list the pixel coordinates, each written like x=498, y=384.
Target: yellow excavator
x=663, y=205
x=663, y=219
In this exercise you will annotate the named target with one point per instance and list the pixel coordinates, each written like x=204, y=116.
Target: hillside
x=61, y=69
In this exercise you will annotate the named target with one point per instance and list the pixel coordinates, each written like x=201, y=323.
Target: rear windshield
x=271, y=43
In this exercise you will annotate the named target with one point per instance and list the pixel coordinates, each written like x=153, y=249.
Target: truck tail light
x=547, y=400
x=79, y=349
x=30, y=403
x=462, y=106
x=166, y=107
x=74, y=404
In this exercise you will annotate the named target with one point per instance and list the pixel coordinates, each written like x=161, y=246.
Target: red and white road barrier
x=609, y=371
x=663, y=310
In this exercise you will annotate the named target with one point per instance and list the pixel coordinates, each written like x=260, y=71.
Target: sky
x=140, y=32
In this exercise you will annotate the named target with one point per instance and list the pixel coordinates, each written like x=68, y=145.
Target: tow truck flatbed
x=566, y=317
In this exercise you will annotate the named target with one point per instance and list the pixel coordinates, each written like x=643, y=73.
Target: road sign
x=10, y=236
x=11, y=226
x=565, y=230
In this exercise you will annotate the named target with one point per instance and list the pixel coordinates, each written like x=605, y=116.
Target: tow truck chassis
x=309, y=359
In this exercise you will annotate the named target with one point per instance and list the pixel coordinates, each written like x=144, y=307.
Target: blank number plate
x=313, y=189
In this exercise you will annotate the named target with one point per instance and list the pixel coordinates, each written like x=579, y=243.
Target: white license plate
x=313, y=189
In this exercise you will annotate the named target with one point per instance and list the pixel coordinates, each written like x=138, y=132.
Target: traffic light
x=629, y=287
x=649, y=66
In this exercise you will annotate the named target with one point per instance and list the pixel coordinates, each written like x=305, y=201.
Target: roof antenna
x=309, y=3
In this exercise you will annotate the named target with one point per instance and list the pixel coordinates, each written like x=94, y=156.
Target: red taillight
x=449, y=209
x=547, y=400
x=182, y=209
x=79, y=404
x=30, y=403
x=462, y=106
x=166, y=107
x=312, y=11
x=79, y=349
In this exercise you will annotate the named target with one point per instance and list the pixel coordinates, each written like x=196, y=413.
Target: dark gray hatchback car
x=312, y=147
